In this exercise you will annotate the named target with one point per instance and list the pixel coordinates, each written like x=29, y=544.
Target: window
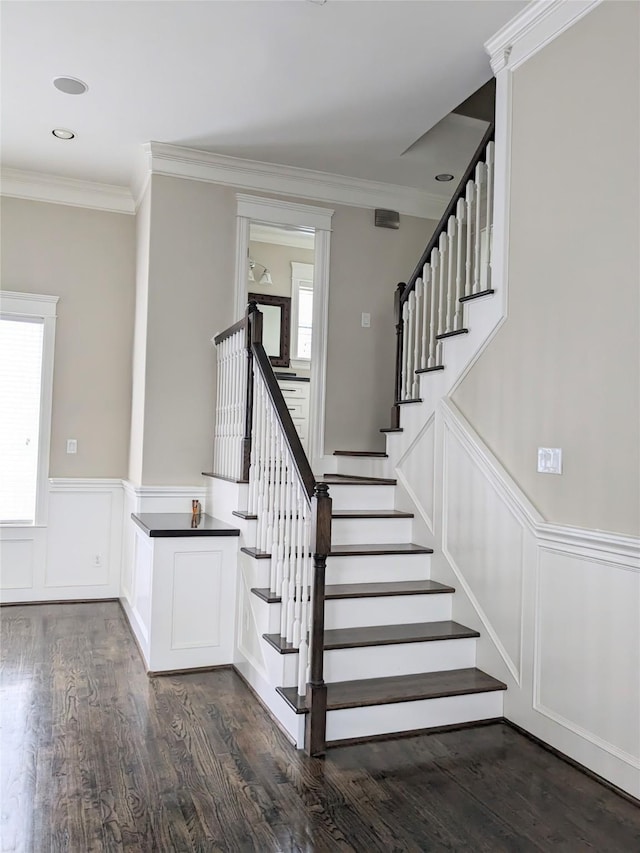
x=302, y=310
x=27, y=325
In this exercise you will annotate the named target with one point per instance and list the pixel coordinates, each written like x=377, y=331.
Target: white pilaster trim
x=536, y=26
x=192, y=164
x=54, y=189
x=319, y=344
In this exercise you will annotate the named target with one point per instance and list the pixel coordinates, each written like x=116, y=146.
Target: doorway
x=282, y=261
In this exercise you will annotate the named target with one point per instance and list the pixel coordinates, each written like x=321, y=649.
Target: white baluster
x=297, y=627
x=489, y=222
x=460, y=265
x=480, y=170
x=405, y=350
x=426, y=295
x=417, y=337
x=433, y=305
x=286, y=592
x=303, y=652
x=468, y=281
x=442, y=294
x=451, y=273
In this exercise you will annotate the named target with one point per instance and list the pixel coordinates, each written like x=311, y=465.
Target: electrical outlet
x=72, y=445
x=97, y=560
x=366, y=320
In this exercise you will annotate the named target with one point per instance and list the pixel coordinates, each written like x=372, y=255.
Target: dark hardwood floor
x=97, y=757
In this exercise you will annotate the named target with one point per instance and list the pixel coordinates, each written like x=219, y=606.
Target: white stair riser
x=360, y=612
x=362, y=497
x=361, y=466
x=391, y=610
x=282, y=669
x=378, y=569
x=373, y=531
x=406, y=716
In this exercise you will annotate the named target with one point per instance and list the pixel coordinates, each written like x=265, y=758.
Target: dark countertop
x=174, y=524
x=291, y=377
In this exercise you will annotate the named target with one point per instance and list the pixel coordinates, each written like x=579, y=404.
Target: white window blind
x=20, y=395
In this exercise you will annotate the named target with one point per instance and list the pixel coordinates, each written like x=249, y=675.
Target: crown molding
x=536, y=26
x=192, y=164
x=37, y=186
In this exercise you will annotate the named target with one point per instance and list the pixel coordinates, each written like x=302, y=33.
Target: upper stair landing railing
x=454, y=267
x=293, y=511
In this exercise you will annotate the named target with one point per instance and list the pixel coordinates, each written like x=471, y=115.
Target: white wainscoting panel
x=558, y=608
x=17, y=560
x=415, y=470
x=76, y=555
x=196, y=594
x=587, y=655
x=79, y=542
x=483, y=540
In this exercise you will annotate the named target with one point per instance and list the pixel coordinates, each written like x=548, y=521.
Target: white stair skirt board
x=373, y=531
x=292, y=723
x=361, y=497
x=392, y=610
x=398, y=659
x=408, y=716
x=378, y=568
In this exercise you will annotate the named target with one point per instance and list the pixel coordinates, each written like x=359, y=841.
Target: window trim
x=36, y=306
x=299, y=272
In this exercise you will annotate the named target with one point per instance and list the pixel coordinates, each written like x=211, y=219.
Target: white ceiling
x=345, y=87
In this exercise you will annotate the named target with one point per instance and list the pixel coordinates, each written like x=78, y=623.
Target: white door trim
x=274, y=211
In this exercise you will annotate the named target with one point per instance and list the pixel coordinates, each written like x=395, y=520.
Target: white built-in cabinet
x=296, y=394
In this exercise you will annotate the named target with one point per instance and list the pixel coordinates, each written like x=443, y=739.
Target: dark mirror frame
x=284, y=303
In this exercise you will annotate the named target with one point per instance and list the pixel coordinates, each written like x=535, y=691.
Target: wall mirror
x=276, y=326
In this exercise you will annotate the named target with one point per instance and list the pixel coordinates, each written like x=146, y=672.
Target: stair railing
x=293, y=511
x=232, y=431
x=454, y=268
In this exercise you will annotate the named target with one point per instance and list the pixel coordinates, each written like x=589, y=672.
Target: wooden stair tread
x=407, y=402
x=367, y=590
x=344, y=513
x=371, y=513
x=452, y=334
x=392, y=429
x=398, y=688
x=382, y=635
x=375, y=454
x=347, y=480
x=476, y=295
x=430, y=369
x=366, y=549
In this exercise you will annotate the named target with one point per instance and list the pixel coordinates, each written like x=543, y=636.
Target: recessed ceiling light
x=62, y=133
x=70, y=85
x=444, y=177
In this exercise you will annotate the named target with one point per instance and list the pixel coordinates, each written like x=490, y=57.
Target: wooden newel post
x=397, y=309
x=316, y=728
x=252, y=307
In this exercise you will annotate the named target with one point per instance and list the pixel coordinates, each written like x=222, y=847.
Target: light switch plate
x=366, y=320
x=549, y=460
x=72, y=445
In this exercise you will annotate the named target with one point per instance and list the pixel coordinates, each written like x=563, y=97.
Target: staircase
x=394, y=661
x=359, y=640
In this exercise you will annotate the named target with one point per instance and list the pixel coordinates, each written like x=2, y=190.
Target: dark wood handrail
x=241, y=324
x=451, y=207
x=300, y=461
